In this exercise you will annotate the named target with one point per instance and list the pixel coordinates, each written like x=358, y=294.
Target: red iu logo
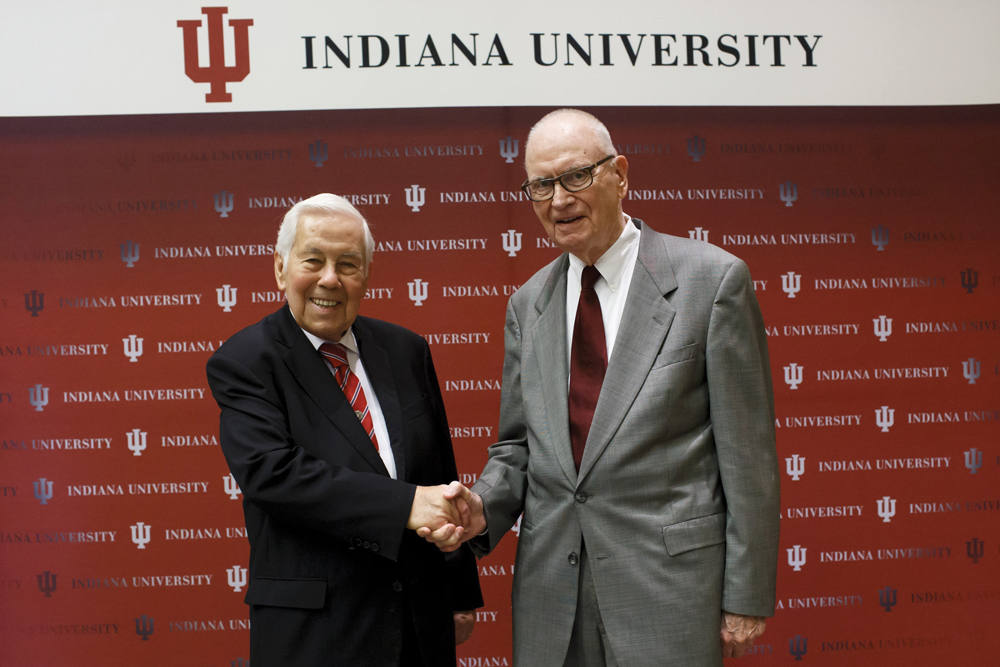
x=216, y=73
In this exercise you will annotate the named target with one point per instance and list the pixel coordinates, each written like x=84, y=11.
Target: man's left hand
x=464, y=621
x=739, y=632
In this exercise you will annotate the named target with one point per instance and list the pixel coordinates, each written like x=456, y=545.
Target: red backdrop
x=113, y=227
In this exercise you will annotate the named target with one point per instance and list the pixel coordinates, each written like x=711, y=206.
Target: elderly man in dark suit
x=636, y=432
x=334, y=428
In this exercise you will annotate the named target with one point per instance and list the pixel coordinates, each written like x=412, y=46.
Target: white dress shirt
x=378, y=421
x=616, y=267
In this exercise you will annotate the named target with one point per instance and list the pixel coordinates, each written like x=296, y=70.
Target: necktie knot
x=590, y=277
x=335, y=354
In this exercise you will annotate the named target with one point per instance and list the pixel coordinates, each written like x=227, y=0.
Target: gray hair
x=601, y=133
x=321, y=203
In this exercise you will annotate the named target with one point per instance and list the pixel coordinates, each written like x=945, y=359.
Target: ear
x=279, y=271
x=368, y=275
x=621, y=173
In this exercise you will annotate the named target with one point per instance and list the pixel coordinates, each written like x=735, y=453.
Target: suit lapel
x=549, y=343
x=312, y=373
x=644, y=326
x=379, y=372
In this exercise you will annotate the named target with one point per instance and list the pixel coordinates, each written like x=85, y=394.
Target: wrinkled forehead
x=320, y=229
x=559, y=145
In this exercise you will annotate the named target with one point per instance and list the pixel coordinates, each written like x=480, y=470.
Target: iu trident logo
x=236, y=576
x=883, y=327
x=415, y=197
x=136, y=441
x=696, y=147
x=509, y=149
x=796, y=557
x=884, y=418
x=216, y=74
x=230, y=486
x=511, y=242
x=140, y=534
x=791, y=284
x=793, y=375
x=698, y=234
x=133, y=347
x=789, y=192
x=795, y=466
x=418, y=291
x=886, y=508
x=226, y=297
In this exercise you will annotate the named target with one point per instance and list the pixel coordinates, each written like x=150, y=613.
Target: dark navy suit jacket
x=334, y=573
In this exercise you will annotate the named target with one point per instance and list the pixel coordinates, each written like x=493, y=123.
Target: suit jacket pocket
x=695, y=534
x=414, y=410
x=297, y=593
x=676, y=355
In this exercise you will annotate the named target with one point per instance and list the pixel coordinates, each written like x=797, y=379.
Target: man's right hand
x=472, y=520
x=433, y=511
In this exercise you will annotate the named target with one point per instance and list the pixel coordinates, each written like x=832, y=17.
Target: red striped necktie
x=336, y=355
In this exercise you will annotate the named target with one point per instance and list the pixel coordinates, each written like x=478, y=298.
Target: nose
x=561, y=197
x=329, y=278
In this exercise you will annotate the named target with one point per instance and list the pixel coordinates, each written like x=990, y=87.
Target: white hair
x=601, y=133
x=321, y=203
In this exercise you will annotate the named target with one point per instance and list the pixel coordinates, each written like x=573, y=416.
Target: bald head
x=561, y=123
x=584, y=221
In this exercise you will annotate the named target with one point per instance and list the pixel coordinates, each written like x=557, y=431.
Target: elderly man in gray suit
x=636, y=432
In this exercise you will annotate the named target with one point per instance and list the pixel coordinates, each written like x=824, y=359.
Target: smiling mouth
x=568, y=220
x=324, y=303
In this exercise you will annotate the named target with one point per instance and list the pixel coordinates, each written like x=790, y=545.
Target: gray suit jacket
x=677, y=494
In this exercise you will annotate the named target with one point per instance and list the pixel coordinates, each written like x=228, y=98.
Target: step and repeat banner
x=143, y=180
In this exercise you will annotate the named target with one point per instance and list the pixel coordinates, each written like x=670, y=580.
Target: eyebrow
x=561, y=173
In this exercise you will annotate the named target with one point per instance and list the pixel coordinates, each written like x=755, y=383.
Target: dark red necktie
x=588, y=361
x=336, y=355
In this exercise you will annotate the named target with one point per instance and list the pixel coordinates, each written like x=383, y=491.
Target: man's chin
x=326, y=328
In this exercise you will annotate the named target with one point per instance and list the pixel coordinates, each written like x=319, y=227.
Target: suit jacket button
x=374, y=546
x=581, y=497
x=573, y=558
x=366, y=544
x=357, y=541
x=396, y=586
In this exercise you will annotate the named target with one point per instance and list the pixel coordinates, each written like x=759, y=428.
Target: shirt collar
x=347, y=340
x=611, y=265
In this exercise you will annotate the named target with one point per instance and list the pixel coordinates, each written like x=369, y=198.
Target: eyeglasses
x=574, y=180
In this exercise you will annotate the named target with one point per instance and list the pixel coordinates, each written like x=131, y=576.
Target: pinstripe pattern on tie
x=335, y=354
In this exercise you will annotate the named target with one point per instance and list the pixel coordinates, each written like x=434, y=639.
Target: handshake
x=446, y=516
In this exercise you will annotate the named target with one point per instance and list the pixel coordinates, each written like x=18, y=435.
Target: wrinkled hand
x=469, y=506
x=739, y=632
x=464, y=622
x=432, y=511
